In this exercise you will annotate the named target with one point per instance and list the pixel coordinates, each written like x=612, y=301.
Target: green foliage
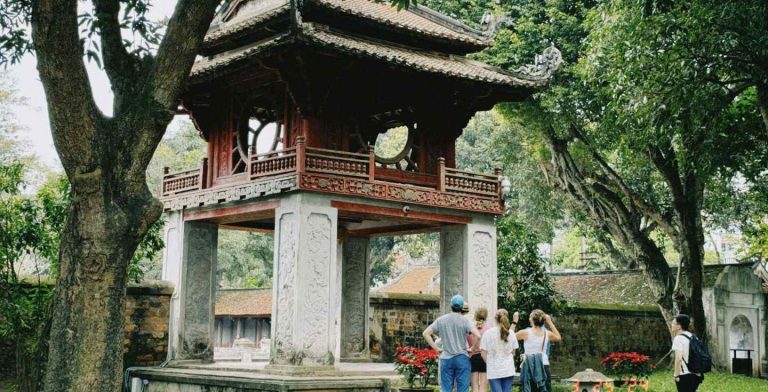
x=523, y=281
x=382, y=259
x=490, y=140
x=662, y=381
x=244, y=259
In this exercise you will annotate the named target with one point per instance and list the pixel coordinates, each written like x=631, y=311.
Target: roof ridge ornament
x=545, y=64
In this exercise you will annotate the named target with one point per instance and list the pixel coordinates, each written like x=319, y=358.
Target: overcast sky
x=34, y=116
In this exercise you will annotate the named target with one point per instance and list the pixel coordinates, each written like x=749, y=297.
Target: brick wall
x=146, y=324
x=146, y=328
x=398, y=320
x=591, y=334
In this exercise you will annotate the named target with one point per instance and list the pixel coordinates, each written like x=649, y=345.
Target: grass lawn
x=713, y=382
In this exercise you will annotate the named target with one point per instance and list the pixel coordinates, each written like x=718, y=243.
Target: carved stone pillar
x=354, y=296
x=197, y=291
x=174, y=248
x=452, y=265
x=305, y=312
x=468, y=264
x=481, y=278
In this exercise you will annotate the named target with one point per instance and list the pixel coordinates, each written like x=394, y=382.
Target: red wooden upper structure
x=293, y=94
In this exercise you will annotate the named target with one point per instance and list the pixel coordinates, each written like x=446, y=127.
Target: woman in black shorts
x=478, y=379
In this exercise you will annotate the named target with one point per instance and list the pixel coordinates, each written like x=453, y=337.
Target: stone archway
x=741, y=345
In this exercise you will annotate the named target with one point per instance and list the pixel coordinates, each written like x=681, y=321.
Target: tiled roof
x=244, y=302
x=208, y=65
x=409, y=58
x=605, y=288
x=456, y=66
x=420, y=280
x=616, y=287
x=414, y=19
x=247, y=18
x=243, y=15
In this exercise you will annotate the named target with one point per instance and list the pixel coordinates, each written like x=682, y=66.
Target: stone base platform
x=257, y=376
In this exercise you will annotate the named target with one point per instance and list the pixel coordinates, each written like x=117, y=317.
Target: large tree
x=105, y=159
x=659, y=104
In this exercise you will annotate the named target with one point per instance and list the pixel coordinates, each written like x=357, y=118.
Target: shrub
x=627, y=364
x=416, y=364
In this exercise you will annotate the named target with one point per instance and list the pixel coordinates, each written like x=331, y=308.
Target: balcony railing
x=347, y=166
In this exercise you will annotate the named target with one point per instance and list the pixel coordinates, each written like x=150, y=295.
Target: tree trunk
x=609, y=212
x=762, y=103
x=688, y=296
x=87, y=331
x=105, y=160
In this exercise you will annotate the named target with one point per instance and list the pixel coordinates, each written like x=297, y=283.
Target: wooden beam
x=411, y=228
x=399, y=213
x=227, y=215
x=248, y=229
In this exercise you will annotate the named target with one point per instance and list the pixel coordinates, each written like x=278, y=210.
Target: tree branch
x=762, y=103
x=177, y=52
x=637, y=200
x=72, y=111
x=119, y=65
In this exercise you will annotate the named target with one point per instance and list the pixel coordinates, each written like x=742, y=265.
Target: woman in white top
x=536, y=338
x=498, y=351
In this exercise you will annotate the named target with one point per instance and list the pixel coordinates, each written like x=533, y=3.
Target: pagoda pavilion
x=291, y=96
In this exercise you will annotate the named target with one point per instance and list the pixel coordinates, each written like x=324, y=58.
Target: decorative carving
x=396, y=192
x=482, y=267
x=544, y=65
x=317, y=296
x=236, y=192
x=355, y=283
x=286, y=279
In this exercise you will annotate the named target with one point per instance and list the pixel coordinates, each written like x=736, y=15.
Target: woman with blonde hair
x=478, y=378
x=535, y=340
x=498, y=350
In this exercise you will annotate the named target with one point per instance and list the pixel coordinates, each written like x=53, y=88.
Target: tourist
x=498, y=352
x=535, y=340
x=453, y=329
x=478, y=377
x=684, y=380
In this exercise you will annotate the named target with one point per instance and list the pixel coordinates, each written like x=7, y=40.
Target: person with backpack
x=692, y=359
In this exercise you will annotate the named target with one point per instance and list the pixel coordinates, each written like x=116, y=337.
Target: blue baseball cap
x=457, y=302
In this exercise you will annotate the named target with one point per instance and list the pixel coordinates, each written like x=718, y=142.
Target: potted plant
x=629, y=367
x=417, y=366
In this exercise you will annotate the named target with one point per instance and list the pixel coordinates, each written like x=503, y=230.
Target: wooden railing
x=462, y=181
x=338, y=163
x=303, y=159
x=273, y=163
x=185, y=181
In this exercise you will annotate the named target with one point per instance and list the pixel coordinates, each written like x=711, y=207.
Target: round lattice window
x=256, y=132
x=395, y=146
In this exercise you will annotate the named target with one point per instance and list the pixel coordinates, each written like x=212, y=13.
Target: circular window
x=395, y=146
x=392, y=143
x=256, y=132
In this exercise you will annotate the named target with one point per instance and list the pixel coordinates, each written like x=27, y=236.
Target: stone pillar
x=481, y=278
x=355, y=281
x=197, y=291
x=305, y=310
x=468, y=264
x=174, y=248
x=452, y=265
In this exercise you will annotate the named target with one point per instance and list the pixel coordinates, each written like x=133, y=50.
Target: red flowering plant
x=628, y=364
x=416, y=365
